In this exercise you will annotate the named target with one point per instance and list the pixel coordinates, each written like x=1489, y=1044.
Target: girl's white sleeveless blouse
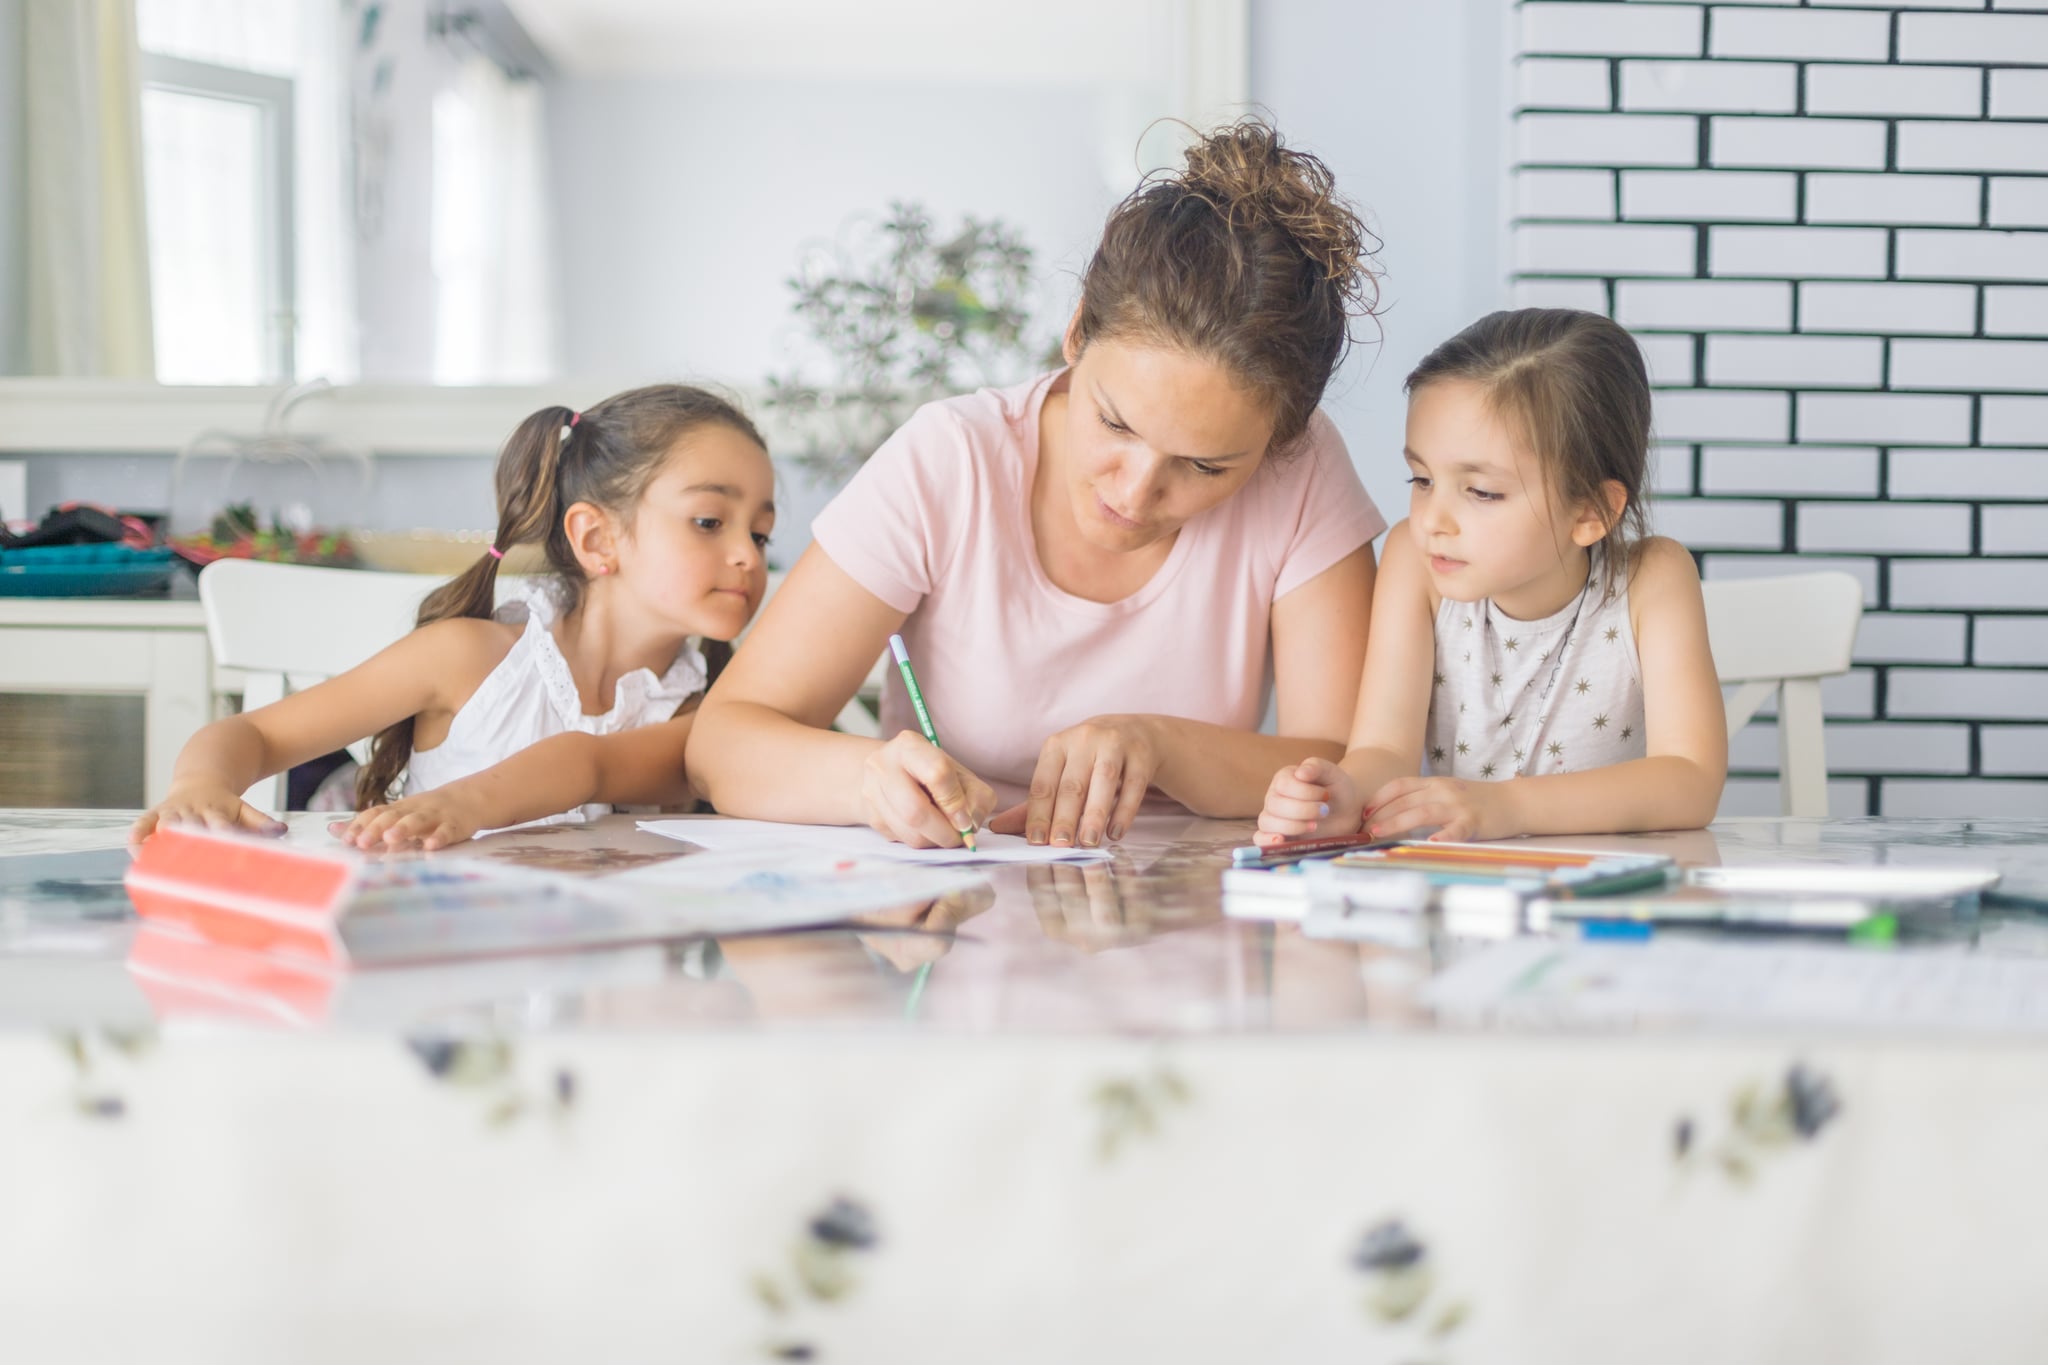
x=531, y=696
x=1489, y=717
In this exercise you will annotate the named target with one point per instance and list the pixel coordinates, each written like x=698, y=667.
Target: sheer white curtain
x=495, y=317
x=88, y=249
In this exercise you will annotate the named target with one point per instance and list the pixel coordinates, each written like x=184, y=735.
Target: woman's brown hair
x=1573, y=389
x=1247, y=257
x=605, y=456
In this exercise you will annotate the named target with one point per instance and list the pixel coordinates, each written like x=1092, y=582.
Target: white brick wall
x=1608, y=139
x=2010, y=640
x=1953, y=800
x=2019, y=94
x=2016, y=531
x=1896, y=638
x=1797, y=143
x=1711, y=87
x=1930, y=254
x=1702, y=304
x=1827, y=221
x=2018, y=749
x=1946, y=200
x=1971, y=147
x=1721, y=196
x=1833, y=471
x=1954, y=91
x=1997, y=584
x=1984, y=365
x=1565, y=194
x=1811, y=252
x=1794, y=33
x=2019, y=202
x=1563, y=83
x=2009, y=421
x=1987, y=475
x=1783, y=362
x=1888, y=308
x=1984, y=39
x=1612, y=30
x=2016, y=310
x=1865, y=418
x=1605, y=249
x=1884, y=527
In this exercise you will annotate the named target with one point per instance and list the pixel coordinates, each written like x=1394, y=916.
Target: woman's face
x=1155, y=437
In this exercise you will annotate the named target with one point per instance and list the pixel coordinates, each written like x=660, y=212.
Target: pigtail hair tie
x=574, y=418
x=495, y=553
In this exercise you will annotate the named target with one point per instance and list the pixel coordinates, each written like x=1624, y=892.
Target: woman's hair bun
x=1251, y=176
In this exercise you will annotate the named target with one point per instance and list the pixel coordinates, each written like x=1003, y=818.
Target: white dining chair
x=284, y=627
x=1781, y=636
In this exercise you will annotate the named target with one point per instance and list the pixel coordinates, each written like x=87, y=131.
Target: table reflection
x=1135, y=945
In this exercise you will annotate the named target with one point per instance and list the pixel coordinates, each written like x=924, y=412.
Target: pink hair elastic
x=495, y=553
x=574, y=418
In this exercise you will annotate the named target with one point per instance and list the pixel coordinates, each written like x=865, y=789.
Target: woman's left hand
x=1090, y=781
x=429, y=821
x=1455, y=808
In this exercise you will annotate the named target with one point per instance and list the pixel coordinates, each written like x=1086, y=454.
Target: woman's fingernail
x=1323, y=809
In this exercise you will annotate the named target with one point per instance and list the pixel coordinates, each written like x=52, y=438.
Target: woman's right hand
x=1311, y=799
x=203, y=803
x=915, y=793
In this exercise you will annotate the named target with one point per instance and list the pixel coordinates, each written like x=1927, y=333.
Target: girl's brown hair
x=1573, y=389
x=606, y=456
x=1247, y=257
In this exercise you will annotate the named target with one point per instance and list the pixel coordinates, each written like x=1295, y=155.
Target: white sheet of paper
x=722, y=834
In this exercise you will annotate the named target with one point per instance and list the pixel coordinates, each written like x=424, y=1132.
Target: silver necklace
x=1500, y=673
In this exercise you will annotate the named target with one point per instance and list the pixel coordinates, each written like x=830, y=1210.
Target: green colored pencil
x=924, y=716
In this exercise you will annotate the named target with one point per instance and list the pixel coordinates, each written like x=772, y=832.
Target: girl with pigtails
x=653, y=510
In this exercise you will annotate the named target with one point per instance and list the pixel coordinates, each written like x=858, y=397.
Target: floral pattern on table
x=821, y=1271
x=1763, y=1119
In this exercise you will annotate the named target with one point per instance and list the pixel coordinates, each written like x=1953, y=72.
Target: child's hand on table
x=1458, y=810
x=1312, y=799
x=203, y=803
x=428, y=821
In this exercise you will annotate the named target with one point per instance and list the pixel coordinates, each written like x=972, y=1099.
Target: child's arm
x=1677, y=785
x=423, y=672
x=642, y=767
x=1317, y=796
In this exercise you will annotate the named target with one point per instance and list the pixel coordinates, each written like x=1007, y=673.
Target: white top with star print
x=1488, y=717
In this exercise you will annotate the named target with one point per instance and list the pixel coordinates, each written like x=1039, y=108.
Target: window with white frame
x=218, y=171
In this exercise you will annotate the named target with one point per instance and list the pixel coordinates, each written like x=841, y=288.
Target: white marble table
x=1112, y=1126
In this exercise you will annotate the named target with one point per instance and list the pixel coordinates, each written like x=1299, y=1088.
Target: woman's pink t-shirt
x=938, y=524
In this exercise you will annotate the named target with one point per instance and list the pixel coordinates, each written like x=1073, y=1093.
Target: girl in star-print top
x=1536, y=663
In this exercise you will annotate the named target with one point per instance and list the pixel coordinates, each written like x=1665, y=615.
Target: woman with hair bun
x=1092, y=569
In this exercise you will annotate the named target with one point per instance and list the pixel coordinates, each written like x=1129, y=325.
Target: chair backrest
x=288, y=626
x=302, y=621
x=1782, y=636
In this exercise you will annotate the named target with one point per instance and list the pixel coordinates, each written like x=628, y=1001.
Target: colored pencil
x=924, y=715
